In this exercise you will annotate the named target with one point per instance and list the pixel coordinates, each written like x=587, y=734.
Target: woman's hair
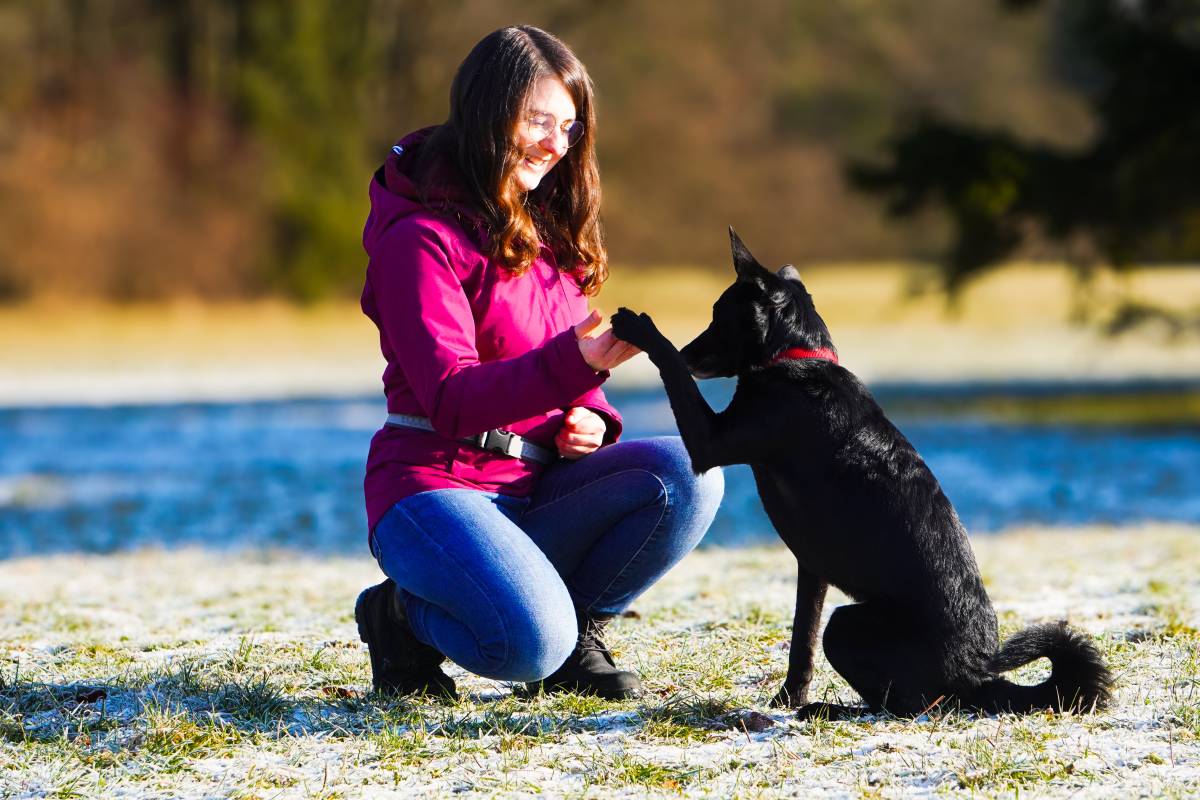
x=487, y=103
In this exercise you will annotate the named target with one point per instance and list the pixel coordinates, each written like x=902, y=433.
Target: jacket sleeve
x=427, y=321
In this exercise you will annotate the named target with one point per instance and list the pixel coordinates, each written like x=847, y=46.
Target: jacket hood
x=395, y=195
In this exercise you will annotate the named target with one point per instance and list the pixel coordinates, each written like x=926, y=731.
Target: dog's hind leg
x=882, y=654
x=810, y=598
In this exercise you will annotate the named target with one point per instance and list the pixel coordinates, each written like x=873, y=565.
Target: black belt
x=496, y=440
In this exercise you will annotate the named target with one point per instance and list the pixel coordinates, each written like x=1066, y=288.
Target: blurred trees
x=223, y=147
x=163, y=147
x=1129, y=194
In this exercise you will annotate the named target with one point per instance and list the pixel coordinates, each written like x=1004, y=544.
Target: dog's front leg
x=810, y=598
x=705, y=434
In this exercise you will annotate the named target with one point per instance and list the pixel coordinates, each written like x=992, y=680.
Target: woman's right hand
x=604, y=351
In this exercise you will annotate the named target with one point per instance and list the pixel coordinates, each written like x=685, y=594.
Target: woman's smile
x=537, y=163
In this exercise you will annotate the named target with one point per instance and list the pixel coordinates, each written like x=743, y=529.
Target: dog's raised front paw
x=637, y=329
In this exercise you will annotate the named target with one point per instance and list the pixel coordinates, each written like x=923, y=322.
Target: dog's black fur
x=859, y=509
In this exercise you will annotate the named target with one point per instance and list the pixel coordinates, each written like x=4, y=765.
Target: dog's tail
x=1079, y=679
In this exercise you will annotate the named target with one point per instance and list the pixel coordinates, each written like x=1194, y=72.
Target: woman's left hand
x=582, y=432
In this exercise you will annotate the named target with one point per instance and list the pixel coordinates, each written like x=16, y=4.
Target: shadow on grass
x=187, y=710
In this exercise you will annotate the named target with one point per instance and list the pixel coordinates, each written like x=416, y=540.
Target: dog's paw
x=637, y=329
x=812, y=711
x=786, y=698
x=831, y=712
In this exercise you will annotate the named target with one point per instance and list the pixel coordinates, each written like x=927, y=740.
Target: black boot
x=590, y=668
x=401, y=664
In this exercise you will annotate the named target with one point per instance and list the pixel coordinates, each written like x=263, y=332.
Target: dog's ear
x=789, y=273
x=743, y=261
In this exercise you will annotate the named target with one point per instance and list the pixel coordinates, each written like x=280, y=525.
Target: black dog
x=859, y=509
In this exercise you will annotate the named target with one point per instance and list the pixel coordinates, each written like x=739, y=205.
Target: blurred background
x=994, y=204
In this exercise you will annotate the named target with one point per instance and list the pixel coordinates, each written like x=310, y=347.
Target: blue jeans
x=493, y=581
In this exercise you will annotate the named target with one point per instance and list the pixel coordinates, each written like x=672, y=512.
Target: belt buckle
x=502, y=442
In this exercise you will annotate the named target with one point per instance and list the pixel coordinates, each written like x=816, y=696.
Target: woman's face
x=541, y=131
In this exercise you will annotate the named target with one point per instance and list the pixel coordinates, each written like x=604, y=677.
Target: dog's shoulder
x=870, y=436
x=812, y=402
x=837, y=400
x=826, y=388
x=786, y=387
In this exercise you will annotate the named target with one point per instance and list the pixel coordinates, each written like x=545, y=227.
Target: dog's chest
x=790, y=505
x=801, y=513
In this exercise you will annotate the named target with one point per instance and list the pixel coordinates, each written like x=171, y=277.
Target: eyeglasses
x=541, y=125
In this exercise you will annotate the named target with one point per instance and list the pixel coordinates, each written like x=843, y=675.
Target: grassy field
x=204, y=674
x=1014, y=323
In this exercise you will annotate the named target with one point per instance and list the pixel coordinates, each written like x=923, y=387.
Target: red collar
x=799, y=352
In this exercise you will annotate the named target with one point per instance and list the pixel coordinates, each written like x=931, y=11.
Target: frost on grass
x=199, y=674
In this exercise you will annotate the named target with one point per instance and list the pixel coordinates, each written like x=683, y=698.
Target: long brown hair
x=487, y=102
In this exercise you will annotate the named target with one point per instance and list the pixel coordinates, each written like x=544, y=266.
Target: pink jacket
x=466, y=346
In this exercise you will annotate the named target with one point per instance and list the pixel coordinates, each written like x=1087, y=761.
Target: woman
x=509, y=522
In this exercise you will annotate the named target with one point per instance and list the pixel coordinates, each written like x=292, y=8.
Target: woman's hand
x=582, y=432
x=604, y=351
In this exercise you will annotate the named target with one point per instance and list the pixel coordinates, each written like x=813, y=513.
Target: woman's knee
x=673, y=466
x=532, y=647
x=667, y=455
